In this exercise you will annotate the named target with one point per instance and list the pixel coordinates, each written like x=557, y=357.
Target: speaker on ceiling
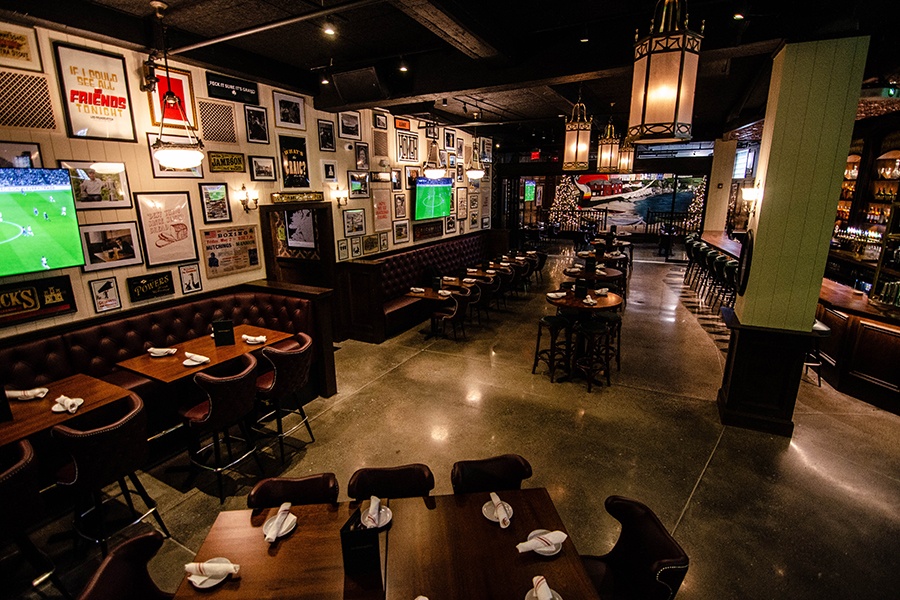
x=361, y=85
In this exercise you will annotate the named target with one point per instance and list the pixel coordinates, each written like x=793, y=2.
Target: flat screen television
x=434, y=198
x=38, y=225
x=529, y=190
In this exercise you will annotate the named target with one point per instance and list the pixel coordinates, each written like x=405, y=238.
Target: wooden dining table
x=603, y=274
x=608, y=302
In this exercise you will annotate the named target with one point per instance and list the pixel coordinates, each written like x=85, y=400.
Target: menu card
x=223, y=332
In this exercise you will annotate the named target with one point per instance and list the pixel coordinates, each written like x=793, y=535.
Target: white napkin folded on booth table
x=372, y=518
x=490, y=271
x=27, y=394
x=254, y=339
x=197, y=358
x=200, y=572
x=283, y=513
x=541, y=588
x=468, y=280
x=66, y=404
x=162, y=351
x=448, y=278
x=531, y=252
x=589, y=301
x=471, y=270
x=505, y=257
x=547, y=540
x=504, y=264
x=500, y=511
x=417, y=290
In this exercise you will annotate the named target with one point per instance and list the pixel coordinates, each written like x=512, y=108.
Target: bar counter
x=720, y=241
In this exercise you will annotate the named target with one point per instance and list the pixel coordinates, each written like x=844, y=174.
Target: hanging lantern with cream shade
x=626, y=156
x=578, y=139
x=431, y=168
x=665, y=76
x=608, y=150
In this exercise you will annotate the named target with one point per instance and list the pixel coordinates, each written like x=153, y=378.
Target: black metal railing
x=576, y=220
x=677, y=222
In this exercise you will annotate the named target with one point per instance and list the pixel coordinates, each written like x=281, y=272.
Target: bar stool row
x=713, y=274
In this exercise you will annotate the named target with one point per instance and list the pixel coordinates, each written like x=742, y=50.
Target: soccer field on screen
x=433, y=198
x=54, y=236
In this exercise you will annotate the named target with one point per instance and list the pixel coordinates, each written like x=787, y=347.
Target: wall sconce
x=341, y=194
x=249, y=198
x=751, y=196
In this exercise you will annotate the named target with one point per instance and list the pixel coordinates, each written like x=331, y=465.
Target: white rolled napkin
x=490, y=271
x=500, y=511
x=197, y=358
x=531, y=252
x=547, y=540
x=602, y=291
x=468, y=280
x=162, y=351
x=417, y=290
x=200, y=572
x=27, y=394
x=254, y=339
x=542, y=588
x=588, y=300
x=371, y=518
x=471, y=270
x=444, y=293
x=66, y=404
x=448, y=278
x=504, y=264
x=505, y=257
x=283, y=513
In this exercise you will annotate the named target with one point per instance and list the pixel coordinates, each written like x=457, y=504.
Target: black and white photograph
x=450, y=140
x=358, y=184
x=361, y=152
x=485, y=222
x=329, y=170
x=401, y=231
x=348, y=126
x=355, y=247
x=105, y=293
x=383, y=241
x=257, y=124
x=20, y=155
x=300, y=228
x=473, y=221
x=431, y=131
x=343, y=249
x=326, y=136
x=459, y=172
x=379, y=120
x=262, y=168
x=294, y=163
x=396, y=180
x=451, y=224
x=407, y=147
x=290, y=111
x=400, y=206
x=460, y=146
x=370, y=244
x=354, y=222
x=190, y=278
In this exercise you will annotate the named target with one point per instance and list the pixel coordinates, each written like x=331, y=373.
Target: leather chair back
x=291, y=368
x=313, y=489
x=405, y=481
x=495, y=474
x=230, y=398
x=123, y=574
x=20, y=502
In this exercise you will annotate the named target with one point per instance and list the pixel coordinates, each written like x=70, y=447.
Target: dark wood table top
x=720, y=241
x=617, y=244
x=608, y=274
x=606, y=302
x=32, y=416
x=170, y=368
x=306, y=564
x=443, y=547
x=429, y=294
x=458, y=281
x=481, y=274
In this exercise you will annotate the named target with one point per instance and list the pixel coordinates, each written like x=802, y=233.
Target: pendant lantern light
x=608, y=150
x=432, y=169
x=578, y=139
x=665, y=76
x=626, y=157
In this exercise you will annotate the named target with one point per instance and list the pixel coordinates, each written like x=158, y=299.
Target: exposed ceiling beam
x=447, y=27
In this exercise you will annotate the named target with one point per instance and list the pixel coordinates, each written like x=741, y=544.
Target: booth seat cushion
x=35, y=363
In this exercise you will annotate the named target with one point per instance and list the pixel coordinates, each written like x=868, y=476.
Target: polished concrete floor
x=814, y=516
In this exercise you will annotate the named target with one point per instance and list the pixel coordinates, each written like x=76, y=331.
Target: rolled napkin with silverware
x=371, y=518
x=161, y=351
x=468, y=280
x=66, y=404
x=500, y=511
x=504, y=264
x=214, y=570
x=448, y=278
x=197, y=358
x=283, y=511
x=490, y=271
x=27, y=394
x=471, y=270
x=541, y=588
x=546, y=540
x=254, y=339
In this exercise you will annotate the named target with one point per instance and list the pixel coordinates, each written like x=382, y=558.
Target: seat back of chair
x=230, y=397
x=105, y=444
x=504, y=472
x=20, y=501
x=647, y=561
x=405, y=481
x=291, y=367
x=123, y=574
x=321, y=488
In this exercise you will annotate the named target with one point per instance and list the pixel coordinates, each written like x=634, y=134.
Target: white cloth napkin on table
x=372, y=518
x=254, y=339
x=162, y=351
x=500, y=511
x=504, y=264
x=471, y=270
x=547, y=540
x=589, y=301
x=66, y=404
x=27, y=394
x=448, y=278
x=417, y=290
x=200, y=572
x=283, y=512
x=490, y=271
x=197, y=358
x=468, y=280
x=541, y=588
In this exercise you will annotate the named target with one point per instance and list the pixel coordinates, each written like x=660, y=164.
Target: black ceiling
x=517, y=65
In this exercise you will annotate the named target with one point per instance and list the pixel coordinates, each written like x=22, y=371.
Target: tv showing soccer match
x=434, y=198
x=529, y=190
x=38, y=226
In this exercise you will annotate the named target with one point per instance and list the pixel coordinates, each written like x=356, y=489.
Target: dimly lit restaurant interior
x=442, y=299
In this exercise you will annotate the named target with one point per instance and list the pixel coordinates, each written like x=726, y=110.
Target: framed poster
x=379, y=120
x=190, y=278
x=451, y=224
x=358, y=184
x=262, y=168
x=451, y=160
x=460, y=147
x=485, y=222
x=105, y=293
x=300, y=228
x=473, y=201
x=290, y=111
x=226, y=162
x=97, y=190
x=343, y=249
x=459, y=172
x=396, y=180
x=231, y=249
x=383, y=242
x=381, y=209
x=354, y=222
x=355, y=247
x=400, y=123
x=407, y=147
x=110, y=246
x=412, y=173
x=52, y=296
x=19, y=48
x=450, y=139
x=160, y=172
x=473, y=221
x=257, y=124
x=329, y=170
x=20, y=155
x=167, y=227
x=400, y=206
x=370, y=244
x=348, y=126
x=431, y=131
x=294, y=166
x=326, y=136
x=361, y=152
x=401, y=231
x=215, y=203
x=95, y=96
x=462, y=202
x=151, y=285
x=180, y=83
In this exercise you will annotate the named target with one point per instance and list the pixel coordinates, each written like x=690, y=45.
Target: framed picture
x=450, y=139
x=160, y=172
x=290, y=111
x=215, y=203
x=105, y=293
x=326, y=136
x=190, y=278
x=348, y=126
x=396, y=180
x=343, y=249
x=257, y=124
x=110, y=246
x=230, y=249
x=473, y=201
x=412, y=173
x=451, y=224
x=355, y=247
x=294, y=166
x=300, y=228
x=21, y=48
x=403, y=124
x=451, y=160
x=329, y=170
x=354, y=222
x=431, y=131
x=180, y=83
x=167, y=227
x=358, y=184
x=262, y=168
x=400, y=206
x=401, y=231
x=459, y=172
x=461, y=223
x=407, y=147
x=442, y=158
x=485, y=222
x=379, y=120
x=95, y=190
x=370, y=244
x=361, y=152
x=462, y=203
x=383, y=241
x=473, y=221
x=486, y=151
x=20, y=155
x=97, y=108
x=460, y=147
x=225, y=162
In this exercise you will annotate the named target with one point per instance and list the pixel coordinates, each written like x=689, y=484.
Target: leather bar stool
x=718, y=280
x=106, y=446
x=597, y=351
x=731, y=283
x=813, y=358
x=558, y=349
x=275, y=389
x=613, y=320
x=699, y=263
x=229, y=403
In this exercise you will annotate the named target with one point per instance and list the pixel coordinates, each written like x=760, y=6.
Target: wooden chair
x=498, y=473
x=405, y=481
x=312, y=489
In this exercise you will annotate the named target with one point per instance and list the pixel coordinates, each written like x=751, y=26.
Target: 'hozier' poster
x=95, y=93
x=294, y=164
x=230, y=250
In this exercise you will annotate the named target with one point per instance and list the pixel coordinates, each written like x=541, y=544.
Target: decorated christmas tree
x=564, y=209
x=695, y=210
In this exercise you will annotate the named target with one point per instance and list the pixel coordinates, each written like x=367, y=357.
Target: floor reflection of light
x=439, y=434
x=668, y=319
x=473, y=397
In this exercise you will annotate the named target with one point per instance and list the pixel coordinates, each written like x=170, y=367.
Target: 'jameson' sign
x=150, y=286
x=36, y=299
x=229, y=88
x=226, y=162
